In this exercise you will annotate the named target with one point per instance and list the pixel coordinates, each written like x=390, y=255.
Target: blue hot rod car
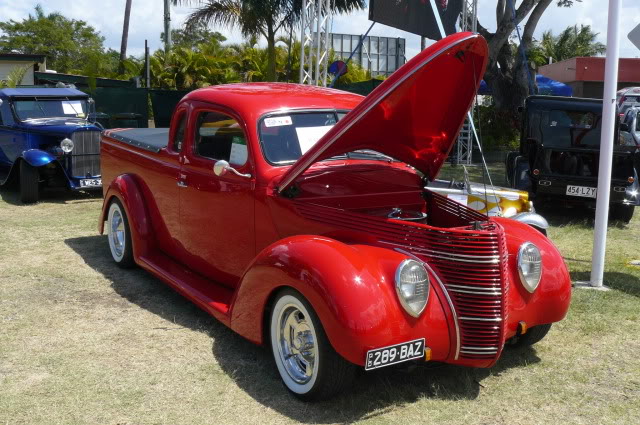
x=47, y=140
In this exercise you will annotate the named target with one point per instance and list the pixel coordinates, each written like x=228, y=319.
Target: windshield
x=34, y=108
x=285, y=138
x=564, y=129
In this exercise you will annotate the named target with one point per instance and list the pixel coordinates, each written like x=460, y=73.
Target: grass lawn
x=83, y=342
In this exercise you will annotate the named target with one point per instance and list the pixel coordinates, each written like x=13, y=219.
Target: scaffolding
x=314, y=46
x=468, y=22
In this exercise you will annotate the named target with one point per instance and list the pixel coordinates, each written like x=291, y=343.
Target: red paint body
x=229, y=243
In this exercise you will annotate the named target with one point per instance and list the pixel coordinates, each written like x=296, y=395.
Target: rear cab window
x=220, y=137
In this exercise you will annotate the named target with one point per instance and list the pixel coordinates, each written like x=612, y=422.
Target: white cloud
x=147, y=20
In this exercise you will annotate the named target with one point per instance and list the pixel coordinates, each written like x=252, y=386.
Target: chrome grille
x=472, y=265
x=85, y=158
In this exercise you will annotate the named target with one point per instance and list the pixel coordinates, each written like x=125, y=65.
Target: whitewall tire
x=308, y=365
x=119, y=235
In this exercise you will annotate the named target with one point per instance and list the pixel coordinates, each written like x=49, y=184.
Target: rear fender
x=37, y=157
x=126, y=190
x=351, y=288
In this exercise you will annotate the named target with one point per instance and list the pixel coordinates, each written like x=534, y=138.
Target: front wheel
x=29, y=183
x=622, y=212
x=308, y=365
x=533, y=335
x=119, y=235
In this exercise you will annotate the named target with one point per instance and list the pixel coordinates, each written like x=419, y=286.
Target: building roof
x=590, y=69
x=21, y=57
x=54, y=77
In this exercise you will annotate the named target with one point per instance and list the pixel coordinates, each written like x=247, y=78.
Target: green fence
x=121, y=107
x=163, y=102
x=362, y=87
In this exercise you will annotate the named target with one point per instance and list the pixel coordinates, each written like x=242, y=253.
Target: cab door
x=216, y=212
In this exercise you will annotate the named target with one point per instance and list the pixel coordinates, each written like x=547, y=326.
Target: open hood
x=415, y=115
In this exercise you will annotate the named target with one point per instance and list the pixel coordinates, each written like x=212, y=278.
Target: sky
x=147, y=20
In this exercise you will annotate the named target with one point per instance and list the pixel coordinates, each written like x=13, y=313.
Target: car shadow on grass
x=11, y=195
x=583, y=217
x=623, y=282
x=252, y=367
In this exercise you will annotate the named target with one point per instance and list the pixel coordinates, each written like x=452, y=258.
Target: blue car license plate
x=90, y=182
x=386, y=356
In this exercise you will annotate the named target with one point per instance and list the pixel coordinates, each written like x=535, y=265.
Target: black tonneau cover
x=150, y=139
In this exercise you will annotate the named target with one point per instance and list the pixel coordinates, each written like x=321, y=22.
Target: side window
x=638, y=123
x=178, y=138
x=220, y=137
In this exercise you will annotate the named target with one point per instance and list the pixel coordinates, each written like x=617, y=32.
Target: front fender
x=127, y=191
x=37, y=157
x=532, y=219
x=350, y=287
x=550, y=301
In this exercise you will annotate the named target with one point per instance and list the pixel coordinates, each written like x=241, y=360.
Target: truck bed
x=150, y=139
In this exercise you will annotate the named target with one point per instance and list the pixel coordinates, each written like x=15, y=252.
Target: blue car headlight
x=66, y=145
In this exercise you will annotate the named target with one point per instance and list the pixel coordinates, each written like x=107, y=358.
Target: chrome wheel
x=296, y=344
x=294, y=341
x=117, y=232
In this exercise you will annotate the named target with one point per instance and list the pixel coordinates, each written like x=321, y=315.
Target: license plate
x=381, y=357
x=90, y=182
x=584, y=191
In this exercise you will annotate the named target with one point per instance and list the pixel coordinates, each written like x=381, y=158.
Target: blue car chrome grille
x=85, y=158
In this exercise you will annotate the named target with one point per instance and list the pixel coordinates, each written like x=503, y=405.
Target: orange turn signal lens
x=427, y=354
x=522, y=327
x=631, y=179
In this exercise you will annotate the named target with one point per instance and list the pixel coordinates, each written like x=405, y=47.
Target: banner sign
x=416, y=16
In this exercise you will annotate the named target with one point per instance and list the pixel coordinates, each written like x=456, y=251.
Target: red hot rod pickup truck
x=308, y=229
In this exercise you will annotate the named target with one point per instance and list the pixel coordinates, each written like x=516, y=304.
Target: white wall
x=7, y=66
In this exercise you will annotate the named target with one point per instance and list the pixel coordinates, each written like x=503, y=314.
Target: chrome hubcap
x=117, y=233
x=297, y=347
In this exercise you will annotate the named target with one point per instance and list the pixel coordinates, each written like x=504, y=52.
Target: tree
x=508, y=71
x=125, y=35
x=194, y=36
x=65, y=42
x=257, y=18
x=571, y=42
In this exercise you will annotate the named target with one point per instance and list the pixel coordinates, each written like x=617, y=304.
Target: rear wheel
x=119, y=235
x=533, y=335
x=29, y=183
x=308, y=365
x=622, y=212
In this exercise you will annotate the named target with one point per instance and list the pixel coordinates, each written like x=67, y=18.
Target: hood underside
x=415, y=115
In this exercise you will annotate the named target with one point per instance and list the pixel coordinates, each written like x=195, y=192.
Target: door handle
x=182, y=183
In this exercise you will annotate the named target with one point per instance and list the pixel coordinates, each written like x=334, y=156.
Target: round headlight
x=412, y=286
x=529, y=266
x=66, y=145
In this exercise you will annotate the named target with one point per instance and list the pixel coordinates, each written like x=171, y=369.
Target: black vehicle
x=560, y=152
x=630, y=127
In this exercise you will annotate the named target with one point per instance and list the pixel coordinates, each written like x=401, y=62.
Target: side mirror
x=222, y=167
x=624, y=127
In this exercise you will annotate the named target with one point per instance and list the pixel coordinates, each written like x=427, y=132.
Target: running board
x=206, y=294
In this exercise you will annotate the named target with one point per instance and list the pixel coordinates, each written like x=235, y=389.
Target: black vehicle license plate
x=584, y=191
x=386, y=356
x=90, y=182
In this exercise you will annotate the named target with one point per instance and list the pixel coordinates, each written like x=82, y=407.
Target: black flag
x=416, y=16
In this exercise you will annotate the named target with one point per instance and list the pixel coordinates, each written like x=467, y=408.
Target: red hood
x=415, y=115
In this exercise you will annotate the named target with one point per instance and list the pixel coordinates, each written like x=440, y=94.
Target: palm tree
x=570, y=43
x=125, y=36
x=257, y=18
